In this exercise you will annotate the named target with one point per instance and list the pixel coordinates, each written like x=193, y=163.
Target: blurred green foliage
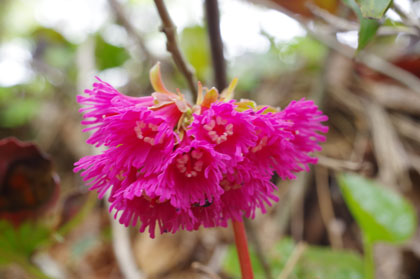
x=23, y=240
x=374, y=8
x=18, y=104
x=108, y=55
x=195, y=45
x=315, y=262
x=381, y=214
x=282, y=57
x=368, y=26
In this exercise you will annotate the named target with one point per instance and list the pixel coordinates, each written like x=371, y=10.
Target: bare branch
x=123, y=20
x=342, y=165
x=172, y=46
x=293, y=260
x=370, y=60
x=204, y=269
x=216, y=43
x=336, y=23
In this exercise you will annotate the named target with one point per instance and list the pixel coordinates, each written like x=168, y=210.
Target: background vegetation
x=353, y=214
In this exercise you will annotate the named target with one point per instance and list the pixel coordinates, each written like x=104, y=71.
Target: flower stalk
x=242, y=248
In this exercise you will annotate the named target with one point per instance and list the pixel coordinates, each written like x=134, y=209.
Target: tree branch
x=216, y=43
x=122, y=19
x=368, y=59
x=169, y=29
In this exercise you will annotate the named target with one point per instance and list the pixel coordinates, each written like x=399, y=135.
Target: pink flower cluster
x=179, y=166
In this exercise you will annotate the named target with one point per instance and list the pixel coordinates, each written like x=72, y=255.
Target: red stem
x=242, y=248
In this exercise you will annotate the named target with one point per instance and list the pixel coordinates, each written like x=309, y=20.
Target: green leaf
x=315, y=262
x=374, y=8
x=325, y=263
x=18, y=112
x=381, y=214
x=353, y=5
x=368, y=27
x=194, y=44
x=23, y=240
x=109, y=56
x=367, y=31
x=312, y=51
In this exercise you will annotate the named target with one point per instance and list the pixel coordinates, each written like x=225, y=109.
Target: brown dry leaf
x=164, y=253
x=389, y=151
x=302, y=7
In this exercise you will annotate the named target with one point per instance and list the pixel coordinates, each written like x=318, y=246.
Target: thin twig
x=407, y=127
x=337, y=23
x=368, y=59
x=205, y=269
x=293, y=260
x=123, y=249
x=172, y=46
x=123, y=20
x=216, y=43
x=409, y=19
x=326, y=206
x=415, y=162
x=216, y=260
x=389, y=151
x=342, y=165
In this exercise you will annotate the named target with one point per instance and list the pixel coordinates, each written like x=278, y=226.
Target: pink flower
x=286, y=138
x=306, y=126
x=240, y=198
x=138, y=138
x=193, y=175
x=104, y=101
x=173, y=165
x=230, y=132
x=151, y=212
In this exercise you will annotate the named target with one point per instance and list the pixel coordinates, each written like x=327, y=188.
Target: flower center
x=190, y=164
x=218, y=131
x=261, y=143
x=227, y=185
x=146, y=132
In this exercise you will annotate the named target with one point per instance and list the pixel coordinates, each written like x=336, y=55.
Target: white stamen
x=220, y=121
x=229, y=128
x=210, y=125
x=260, y=145
x=196, y=154
x=149, y=140
x=153, y=127
x=190, y=174
x=223, y=137
x=138, y=131
x=181, y=168
x=198, y=166
x=182, y=159
x=141, y=124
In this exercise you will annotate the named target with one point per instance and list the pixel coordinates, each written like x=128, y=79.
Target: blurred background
x=51, y=50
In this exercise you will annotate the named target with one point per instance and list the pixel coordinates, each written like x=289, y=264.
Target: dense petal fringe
x=218, y=168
